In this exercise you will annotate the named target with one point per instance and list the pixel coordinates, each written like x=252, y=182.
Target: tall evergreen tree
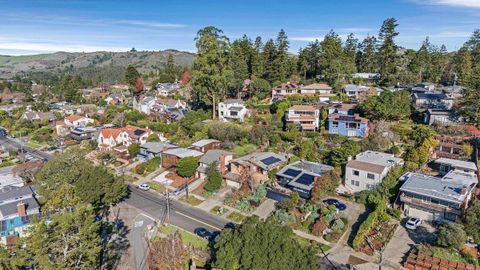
x=387, y=52
x=332, y=60
x=170, y=68
x=368, y=54
x=269, y=53
x=281, y=61
x=212, y=74
x=351, y=46
x=256, y=61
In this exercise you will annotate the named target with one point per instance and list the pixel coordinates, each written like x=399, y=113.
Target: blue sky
x=37, y=26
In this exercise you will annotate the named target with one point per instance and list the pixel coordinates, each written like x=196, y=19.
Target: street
x=14, y=145
x=181, y=215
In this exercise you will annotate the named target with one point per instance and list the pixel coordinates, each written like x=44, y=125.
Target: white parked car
x=144, y=187
x=413, y=223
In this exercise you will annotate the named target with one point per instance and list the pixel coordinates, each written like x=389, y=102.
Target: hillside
x=60, y=62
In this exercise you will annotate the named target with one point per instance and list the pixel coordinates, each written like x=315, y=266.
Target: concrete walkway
x=265, y=209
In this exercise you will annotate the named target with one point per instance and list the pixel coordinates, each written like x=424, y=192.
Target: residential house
x=144, y=104
x=368, y=170
x=83, y=109
x=18, y=207
x=452, y=91
x=9, y=178
x=150, y=150
x=38, y=116
x=163, y=105
x=423, y=87
x=305, y=117
x=452, y=146
x=324, y=91
x=171, y=157
x=223, y=158
x=232, y=110
x=432, y=101
x=70, y=122
x=432, y=198
x=367, y=76
x=115, y=99
x=84, y=133
x=355, y=91
x=12, y=97
x=441, y=117
x=446, y=165
x=165, y=89
x=111, y=137
x=173, y=114
x=301, y=175
x=253, y=167
x=284, y=90
x=348, y=125
x=342, y=108
x=205, y=145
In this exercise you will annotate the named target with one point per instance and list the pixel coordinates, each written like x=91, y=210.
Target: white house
x=111, y=137
x=70, y=122
x=368, y=170
x=144, y=104
x=232, y=110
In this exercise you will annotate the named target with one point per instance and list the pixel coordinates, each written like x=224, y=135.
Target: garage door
x=421, y=214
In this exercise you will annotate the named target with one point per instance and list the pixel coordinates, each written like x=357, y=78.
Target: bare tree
x=168, y=253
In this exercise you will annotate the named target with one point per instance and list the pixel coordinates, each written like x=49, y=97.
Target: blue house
x=348, y=125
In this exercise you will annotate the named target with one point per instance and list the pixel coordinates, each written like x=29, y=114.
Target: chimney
x=464, y=190
x=21, y=209
x=223, y=168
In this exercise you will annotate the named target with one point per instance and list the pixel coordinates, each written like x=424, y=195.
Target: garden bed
x=157, y=186
x=187, y=237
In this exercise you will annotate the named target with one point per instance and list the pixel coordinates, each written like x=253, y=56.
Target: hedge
x=370, y=222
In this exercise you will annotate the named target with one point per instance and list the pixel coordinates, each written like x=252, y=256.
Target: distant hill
x=60, y=62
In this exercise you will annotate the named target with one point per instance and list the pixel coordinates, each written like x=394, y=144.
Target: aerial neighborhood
x=350, y=154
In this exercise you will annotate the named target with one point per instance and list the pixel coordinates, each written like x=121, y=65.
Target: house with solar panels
x=300, y=176
x=254, y=167
x=348, y=125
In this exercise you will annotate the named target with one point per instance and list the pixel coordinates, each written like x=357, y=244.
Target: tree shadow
x=356, y=225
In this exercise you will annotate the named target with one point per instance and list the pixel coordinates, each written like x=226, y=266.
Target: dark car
x=340, y=206
x=3, y=132
x=202, y=232
x=230, y=225
x=51, y=148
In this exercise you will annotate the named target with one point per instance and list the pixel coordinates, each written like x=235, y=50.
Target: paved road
x=137, y=240
x=12, y=144
x=181, y=215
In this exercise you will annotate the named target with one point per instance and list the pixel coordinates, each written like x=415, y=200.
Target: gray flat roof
x=204, y=142
x=11, y=208
x=457, y=163
x=157, y=147
x=435, y=187
x=183, y=152
x=213, y=155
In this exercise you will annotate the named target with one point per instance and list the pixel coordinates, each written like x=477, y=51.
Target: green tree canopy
x=471, y=220
x=388, y=106
x=187, y=166
x=258, y=245
x=214, y=178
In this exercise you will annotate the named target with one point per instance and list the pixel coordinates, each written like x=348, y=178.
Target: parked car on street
x=144, y=187
x=203, y=233
x=413, y=223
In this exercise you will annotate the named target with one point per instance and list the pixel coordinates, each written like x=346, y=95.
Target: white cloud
x=455, y=3
x=151, y=24
x=309, y=39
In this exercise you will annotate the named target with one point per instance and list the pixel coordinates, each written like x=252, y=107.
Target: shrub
x=140, y=168
x=319, y=227
x=152, y=164
x=338, y=225
x=394, y=212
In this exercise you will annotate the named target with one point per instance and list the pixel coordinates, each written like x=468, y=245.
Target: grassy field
x=187, y=237
x=242, y=150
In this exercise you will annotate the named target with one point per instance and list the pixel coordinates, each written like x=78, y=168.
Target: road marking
x=199, y=221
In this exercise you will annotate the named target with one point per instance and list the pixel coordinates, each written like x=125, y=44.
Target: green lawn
x=156, y=186
x=187, y=237
x=33, y=144
x=191, y=200
x=216, y=210
x=242, y=150
x=237, y=217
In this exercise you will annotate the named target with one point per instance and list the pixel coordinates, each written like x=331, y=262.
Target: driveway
x=138, y=240
x=404, y=239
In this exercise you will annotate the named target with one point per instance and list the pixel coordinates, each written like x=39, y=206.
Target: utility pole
x=168, y=207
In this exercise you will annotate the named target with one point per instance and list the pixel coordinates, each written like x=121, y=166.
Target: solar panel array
x=348, y=118
x=305, y=179
x=292, y=172
x=270, y=160
x=138, y=132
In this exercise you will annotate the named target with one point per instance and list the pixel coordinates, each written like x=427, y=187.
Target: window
x=355, y=183
x=335, y=124
x=356, y=173
x=352, y=125
x=370, y=176
x=370, y=186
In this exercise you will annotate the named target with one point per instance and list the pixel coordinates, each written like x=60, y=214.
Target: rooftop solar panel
x=305, y=179
x=292, y=172
x=270, y=160
x=138, y=132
